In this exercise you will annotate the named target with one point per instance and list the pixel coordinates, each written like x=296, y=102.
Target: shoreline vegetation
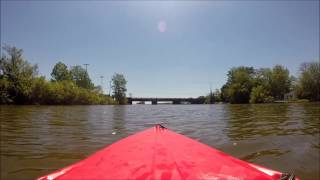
x=20, y=84
x=269, y=85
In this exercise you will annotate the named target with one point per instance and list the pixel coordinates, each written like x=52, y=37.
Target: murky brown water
x=36, y=140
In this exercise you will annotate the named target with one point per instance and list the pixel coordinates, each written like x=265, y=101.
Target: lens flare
x=162, y=26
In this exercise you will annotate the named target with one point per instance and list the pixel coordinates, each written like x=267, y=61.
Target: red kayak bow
x=158, y=153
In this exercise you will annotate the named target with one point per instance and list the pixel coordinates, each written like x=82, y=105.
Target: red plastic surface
x=158, y=153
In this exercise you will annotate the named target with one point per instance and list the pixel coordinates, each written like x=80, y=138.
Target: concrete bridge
x=155, y=100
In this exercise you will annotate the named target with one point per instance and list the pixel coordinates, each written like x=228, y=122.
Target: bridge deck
x=154, y=100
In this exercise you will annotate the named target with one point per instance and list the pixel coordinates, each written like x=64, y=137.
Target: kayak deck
x=158, y=153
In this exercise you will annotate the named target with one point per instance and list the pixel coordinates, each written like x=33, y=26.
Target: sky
x=164, y=49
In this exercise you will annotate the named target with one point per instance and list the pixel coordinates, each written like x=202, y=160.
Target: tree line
x=20, y=83
x=265, y=85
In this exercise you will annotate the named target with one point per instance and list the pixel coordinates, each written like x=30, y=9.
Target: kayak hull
x=158, y=153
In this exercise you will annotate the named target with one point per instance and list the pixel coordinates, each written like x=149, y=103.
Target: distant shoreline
x=275, y=102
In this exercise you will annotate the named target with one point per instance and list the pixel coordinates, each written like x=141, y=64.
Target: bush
x=38, y=93
x=67, y=92
x=4, y=95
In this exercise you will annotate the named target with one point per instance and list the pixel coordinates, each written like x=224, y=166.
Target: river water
x=36, y=140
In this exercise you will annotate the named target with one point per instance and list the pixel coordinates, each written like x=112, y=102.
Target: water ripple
x=38, y=139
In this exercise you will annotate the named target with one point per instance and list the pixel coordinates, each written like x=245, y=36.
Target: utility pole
x=86, y=67
x=211, y=95
x=101, y=77
x=110, y=88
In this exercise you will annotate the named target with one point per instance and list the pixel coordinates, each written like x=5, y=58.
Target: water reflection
x=119, y=121
x=311, y=119
x=250, y=121
x=284, y=133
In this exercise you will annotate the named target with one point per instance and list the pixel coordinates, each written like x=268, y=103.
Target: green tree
x=263, y=77
x=308, y=86
x=217, y=95
x=80, y=77
x=210, y=98
x=20, y=84
x=16, y=75
x=224, y=93
x=239, y=84
x=260, y=94
x=280, y=82
x=119, y=88
x=60, y=72
x=238, y=93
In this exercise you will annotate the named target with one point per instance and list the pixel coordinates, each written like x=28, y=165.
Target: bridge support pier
x=154, y=102
x=175, y=102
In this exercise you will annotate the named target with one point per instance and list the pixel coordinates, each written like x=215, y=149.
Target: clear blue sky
x=164, y=49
